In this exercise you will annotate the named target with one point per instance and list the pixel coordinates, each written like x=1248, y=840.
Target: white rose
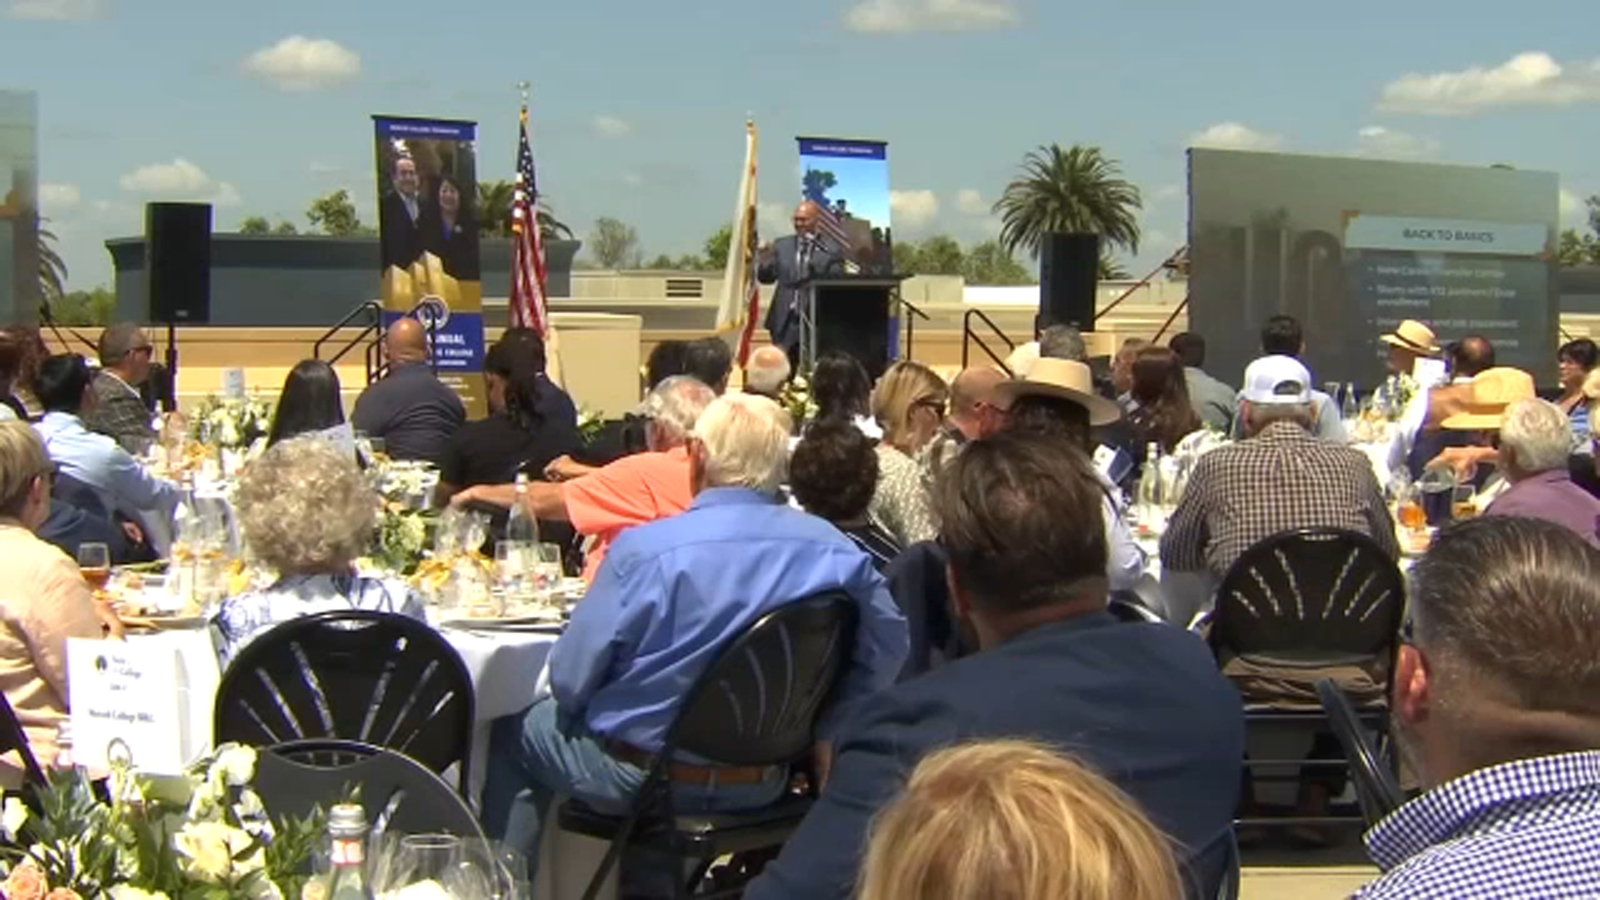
x=12, y=817
x=237, y=764
x=208, y=849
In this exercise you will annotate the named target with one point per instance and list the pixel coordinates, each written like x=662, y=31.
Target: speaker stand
x=172, y=355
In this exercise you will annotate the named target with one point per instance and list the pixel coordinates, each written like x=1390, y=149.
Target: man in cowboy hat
x=1475, y=411
x=1417, y=437
x=1408, y=342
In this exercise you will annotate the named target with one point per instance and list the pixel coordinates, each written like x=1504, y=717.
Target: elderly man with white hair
x=670, y=596
x=1535, y=439
x=767, y=372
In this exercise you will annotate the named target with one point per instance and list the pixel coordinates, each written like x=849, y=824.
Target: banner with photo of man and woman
x=428, y=235
x=849, y=181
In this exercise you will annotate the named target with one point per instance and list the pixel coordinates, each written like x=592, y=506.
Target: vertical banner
x=849, y=182
x=428, y=235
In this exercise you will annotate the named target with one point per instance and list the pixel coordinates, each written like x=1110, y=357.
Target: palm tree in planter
x=1078, y=189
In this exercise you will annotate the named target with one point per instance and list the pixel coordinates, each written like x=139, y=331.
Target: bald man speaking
x=410, y=409
x=788, y=263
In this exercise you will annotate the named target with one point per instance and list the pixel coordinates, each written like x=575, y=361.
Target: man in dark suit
x=400, y=214
x=788, y=263
x=1142, y=704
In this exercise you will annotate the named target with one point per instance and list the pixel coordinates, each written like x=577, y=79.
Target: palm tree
x=1111, y=269
x=494, y=212
x=1077, y=189
x=52, y=268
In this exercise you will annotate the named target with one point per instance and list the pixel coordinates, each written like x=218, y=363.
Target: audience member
x=1143, y=703
x=124, y=487
x=1471, y=414
x=1058, y=402
x=1576, y=359
x=767, y=372
x=1162, y=412
x=709, y=360
x=670, y=596
x=1281, y=336
x=43, y=602
x=1214, y=402
x=31, y=351
x=515, y=437
x=311, y=404
x=527, y=347
x=119, y=411
x=1062, y=342
x=908, y=403
x=1122, y=371
x=633, y=490
x=972, y=414
x=1534, y=440
x=666, y=359
x=1279, y=479
x=1014, y=820
x=1416, y=439
x=410, y=409
x=77, y=516
x=11, y=358
x=1410, y=341
x=842, y=390
x=1494, y=707
x=307, y=513
x=833, y=473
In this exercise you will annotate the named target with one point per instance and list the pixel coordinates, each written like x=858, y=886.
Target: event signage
x=848, y=179
x=130, y=700
x=428, y=235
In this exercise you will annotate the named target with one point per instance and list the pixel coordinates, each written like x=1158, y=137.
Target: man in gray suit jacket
x=789, y=262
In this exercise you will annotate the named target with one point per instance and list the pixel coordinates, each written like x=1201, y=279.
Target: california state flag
x=741, y=295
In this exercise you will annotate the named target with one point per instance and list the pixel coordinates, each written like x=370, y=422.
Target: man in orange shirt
x=631, y=491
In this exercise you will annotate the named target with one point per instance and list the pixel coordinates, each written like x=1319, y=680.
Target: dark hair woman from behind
x=1164, y=414
x=841, y=388
x=516, y=436
x=310, y=402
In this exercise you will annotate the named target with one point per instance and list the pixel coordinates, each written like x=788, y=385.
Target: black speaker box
x=178, y=262
x=1069, y=266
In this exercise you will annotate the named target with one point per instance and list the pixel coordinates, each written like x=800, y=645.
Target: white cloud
x=1376, y=140
x=55, y=199
x=56, y=10
x=1527, y=79
x=773, y=219
x=179, y=180
x=632, y=179
x=299, y=63
x=611, y=127
x=1235, y=136
x=913, y=209
x=901, y=16
x=970, y=202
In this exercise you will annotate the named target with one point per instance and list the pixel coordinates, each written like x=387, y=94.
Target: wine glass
x=94, y=563
x=428, y=857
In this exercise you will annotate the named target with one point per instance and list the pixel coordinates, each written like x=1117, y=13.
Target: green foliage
x=1078, y=189
x=817, y=183
x=984, y=263
x=614, y=243
x=717, y=248
x=1111, y=269
x=95, y=307
x=285, y=229
x=1578, y=249
x=335, y=214
x=52, y=269
x=255, y=225
x=494, y=212
x=989, y=263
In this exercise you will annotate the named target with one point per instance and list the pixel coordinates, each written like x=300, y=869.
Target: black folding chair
x=1376, y=787
x=757, y=705
x=398, y=793
x=13, y=739
x=378, y=678
x=917, y=582
x=1309, y=599
x=1127, y=607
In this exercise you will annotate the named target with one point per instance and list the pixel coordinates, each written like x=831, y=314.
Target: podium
x=848, y=314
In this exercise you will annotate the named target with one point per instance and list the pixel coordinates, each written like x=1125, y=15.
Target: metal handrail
x=371, y=307
x=968, y=336
x=911, y=324
x=1179, y=260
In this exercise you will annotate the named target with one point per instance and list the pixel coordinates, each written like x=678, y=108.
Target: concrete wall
x=261, y=280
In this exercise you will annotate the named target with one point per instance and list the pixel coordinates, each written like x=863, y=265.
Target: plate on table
x=164, y=622
x=539, y=623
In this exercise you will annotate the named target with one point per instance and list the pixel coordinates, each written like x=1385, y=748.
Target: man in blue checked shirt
x=669, y=596
x=1497, y=707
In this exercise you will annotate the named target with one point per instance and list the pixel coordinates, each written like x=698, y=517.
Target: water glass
x=428, y=857
x=545, y=567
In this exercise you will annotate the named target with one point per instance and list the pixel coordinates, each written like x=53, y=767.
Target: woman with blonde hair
x=1014, y=820
x=908, y=403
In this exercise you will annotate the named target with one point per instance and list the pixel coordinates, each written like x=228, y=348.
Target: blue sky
x=639, y=104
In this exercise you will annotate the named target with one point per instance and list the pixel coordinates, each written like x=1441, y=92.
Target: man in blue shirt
x=669, y=597
x=1495, y=707
x=1143, y=704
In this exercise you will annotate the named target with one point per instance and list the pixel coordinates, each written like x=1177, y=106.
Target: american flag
x=527, y=250
x=829, y=223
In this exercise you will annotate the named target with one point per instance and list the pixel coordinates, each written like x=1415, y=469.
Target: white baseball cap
x=1277, y=380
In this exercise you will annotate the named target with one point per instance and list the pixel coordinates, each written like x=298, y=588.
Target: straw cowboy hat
x=1414, y=336
x=1064, y=379
x=1491, y=392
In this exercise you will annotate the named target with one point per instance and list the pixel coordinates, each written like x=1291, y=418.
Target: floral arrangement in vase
x=590, y=425
x=201, y=836
x=796, y=398
x=231, y=423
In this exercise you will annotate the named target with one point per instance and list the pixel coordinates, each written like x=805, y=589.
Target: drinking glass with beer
x=94, y=563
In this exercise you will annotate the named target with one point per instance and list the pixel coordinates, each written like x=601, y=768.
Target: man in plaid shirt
x=119, y=411
x=1495, y=706
x=1280, y=478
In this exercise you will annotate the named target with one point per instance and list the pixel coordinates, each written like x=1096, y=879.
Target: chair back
x=917, y=583
x=758, y=702
x=1311, y=596
x=359, y=675
x=1376, y=788
x=398, y=793
x=13, y=739
x=1126, y=606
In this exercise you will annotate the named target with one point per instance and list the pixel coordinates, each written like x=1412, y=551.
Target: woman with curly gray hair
x=307, y=512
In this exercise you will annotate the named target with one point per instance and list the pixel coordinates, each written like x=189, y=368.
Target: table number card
x=233, y=384
x=134, y=693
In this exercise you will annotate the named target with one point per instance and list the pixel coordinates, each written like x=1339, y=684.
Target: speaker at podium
x=850, y=314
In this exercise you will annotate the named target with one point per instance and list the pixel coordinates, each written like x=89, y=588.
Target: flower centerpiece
x=231, y=423
x=403, y=519
x=796, y=398
x=1395, y=395
x=590, y=425
x=198, y=836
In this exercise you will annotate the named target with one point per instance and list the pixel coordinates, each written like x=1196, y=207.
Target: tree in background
x=1578, y=248
x=96, y=307
x=982, y=264
x=335, y=214
x=285, y=229
x=260, y=225
x=1078, y=189
x=614, y=244
x=494, y=212
x=817, y=183
x=989, y=263
x=52, y=268
x=1111, y=269
x=716, y=248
